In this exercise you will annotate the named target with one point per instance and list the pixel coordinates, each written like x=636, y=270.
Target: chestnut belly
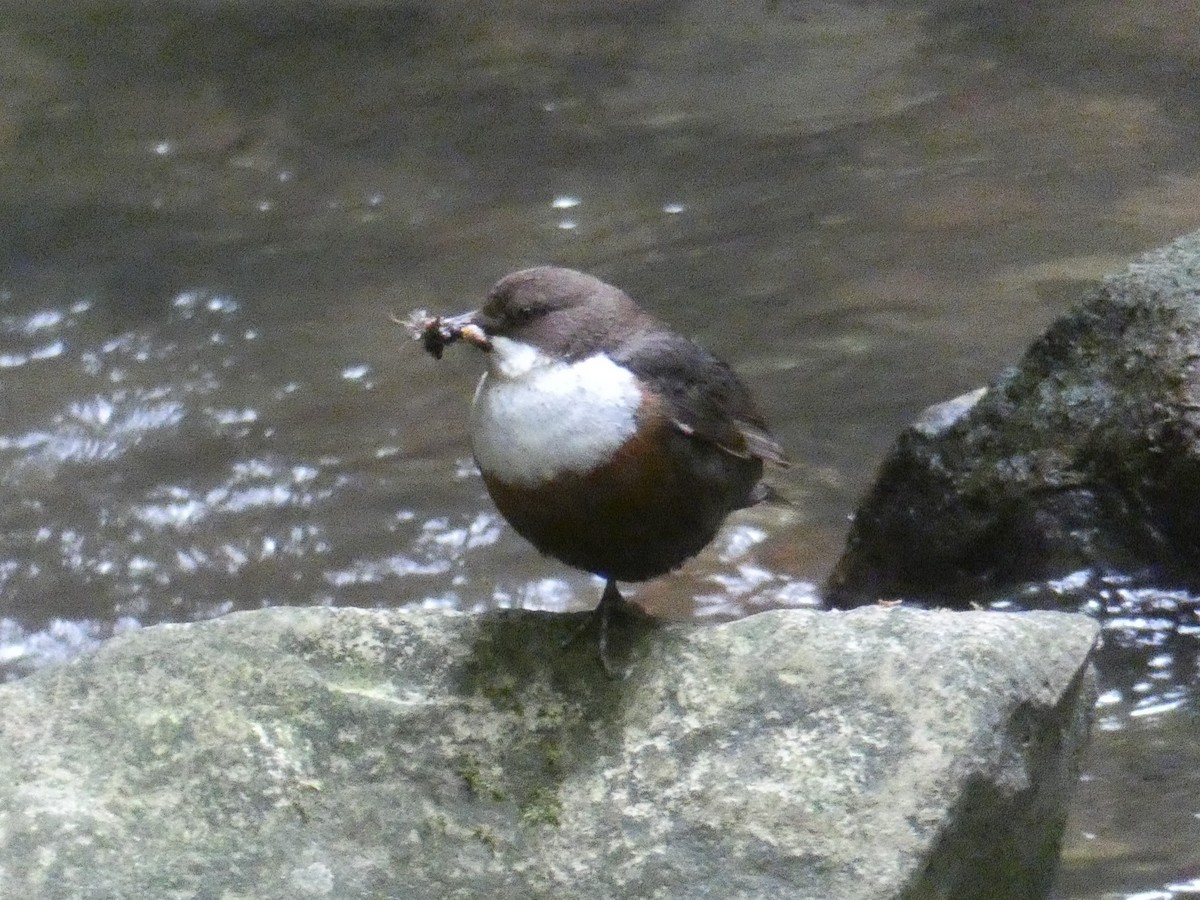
x=658, y=502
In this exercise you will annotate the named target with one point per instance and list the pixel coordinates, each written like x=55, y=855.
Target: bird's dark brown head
x=560, y=311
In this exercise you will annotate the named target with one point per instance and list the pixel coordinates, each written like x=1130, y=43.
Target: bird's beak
x=469, y=327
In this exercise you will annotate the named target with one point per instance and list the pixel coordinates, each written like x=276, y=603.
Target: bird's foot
x=611, y=602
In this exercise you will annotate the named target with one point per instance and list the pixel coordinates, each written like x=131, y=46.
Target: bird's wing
x=705, y=398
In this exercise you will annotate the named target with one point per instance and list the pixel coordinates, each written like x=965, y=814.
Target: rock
x=1087, y=455
x=347, y=753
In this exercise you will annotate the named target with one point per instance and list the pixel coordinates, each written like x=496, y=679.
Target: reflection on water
x=209, y=211
x=1136, y=815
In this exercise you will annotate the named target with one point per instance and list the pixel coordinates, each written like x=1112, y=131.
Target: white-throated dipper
x=607, y=440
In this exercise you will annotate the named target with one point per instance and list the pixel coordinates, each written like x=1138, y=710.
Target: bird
x=606, y=439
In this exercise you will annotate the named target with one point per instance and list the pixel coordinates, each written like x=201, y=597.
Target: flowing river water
x=209, y=212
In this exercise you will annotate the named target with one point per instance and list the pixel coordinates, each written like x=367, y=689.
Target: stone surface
x=1086, y=456
x=352, y=754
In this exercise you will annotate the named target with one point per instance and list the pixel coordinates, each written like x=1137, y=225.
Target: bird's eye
x=522, y=315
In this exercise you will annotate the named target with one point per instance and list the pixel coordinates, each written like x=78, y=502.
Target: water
x=209, y=212
x=1136, y=817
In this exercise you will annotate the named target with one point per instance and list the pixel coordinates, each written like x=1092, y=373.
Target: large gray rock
x=345, y=753
x=1087, y=455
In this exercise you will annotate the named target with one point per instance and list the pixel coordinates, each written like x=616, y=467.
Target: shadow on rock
x=557, y=706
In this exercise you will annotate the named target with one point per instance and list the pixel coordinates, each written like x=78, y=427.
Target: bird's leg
x=610, y=600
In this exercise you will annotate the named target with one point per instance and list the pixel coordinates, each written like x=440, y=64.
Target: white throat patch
x=512, y=359
x=535, y=417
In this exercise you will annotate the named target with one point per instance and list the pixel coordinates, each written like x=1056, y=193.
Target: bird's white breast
x=535, y=418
